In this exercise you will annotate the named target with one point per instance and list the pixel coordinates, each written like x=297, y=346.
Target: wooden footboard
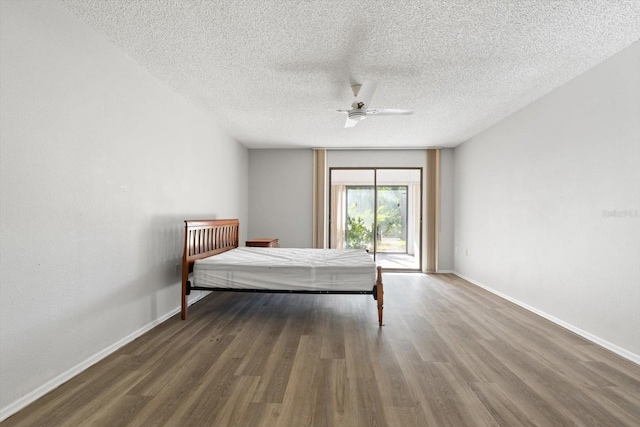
x=204, y=238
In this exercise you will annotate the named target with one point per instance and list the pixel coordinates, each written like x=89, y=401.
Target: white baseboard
x=446, y=272
x=14, y=407
x=593, y=338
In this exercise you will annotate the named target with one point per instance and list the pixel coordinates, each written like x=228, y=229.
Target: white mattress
x=287, y=269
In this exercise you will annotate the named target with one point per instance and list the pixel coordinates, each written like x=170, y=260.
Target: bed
x=212, y=255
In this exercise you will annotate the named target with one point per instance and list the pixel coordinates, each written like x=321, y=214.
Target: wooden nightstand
x=263, y=242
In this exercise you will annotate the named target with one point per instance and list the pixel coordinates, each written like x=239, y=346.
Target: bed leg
x=379, y=296
x=185, y=277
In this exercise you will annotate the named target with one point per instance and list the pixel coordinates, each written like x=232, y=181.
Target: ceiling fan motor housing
x=357, y=114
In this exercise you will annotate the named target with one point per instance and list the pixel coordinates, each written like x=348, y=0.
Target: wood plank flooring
x=450, y=354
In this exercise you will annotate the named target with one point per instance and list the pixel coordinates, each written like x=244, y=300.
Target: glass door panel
x=391, y=219
x=398, y=218
x=360, y=221
x=351, y=216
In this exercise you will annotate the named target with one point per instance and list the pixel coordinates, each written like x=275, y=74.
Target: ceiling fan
x=360, y=105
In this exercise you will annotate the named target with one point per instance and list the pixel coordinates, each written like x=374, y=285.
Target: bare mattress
x=287, y=269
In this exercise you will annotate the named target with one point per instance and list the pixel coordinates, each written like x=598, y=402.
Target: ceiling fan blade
x=365, y=94
x=350, y=123
x=316, y=110
x=389, y=112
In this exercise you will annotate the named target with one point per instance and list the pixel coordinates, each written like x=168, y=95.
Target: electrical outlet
x=466, y=252
x=455, y=249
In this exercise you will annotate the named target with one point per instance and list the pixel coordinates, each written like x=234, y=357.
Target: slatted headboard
x=204, y=238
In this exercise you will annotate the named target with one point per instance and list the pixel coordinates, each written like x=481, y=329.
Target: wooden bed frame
x=205, y=238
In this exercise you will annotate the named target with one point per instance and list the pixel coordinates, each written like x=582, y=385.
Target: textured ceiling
x=266, y=69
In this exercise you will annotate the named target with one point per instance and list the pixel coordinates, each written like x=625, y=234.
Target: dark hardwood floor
x=450, y=354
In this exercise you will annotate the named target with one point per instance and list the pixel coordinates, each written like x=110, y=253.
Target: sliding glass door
x=378, y=210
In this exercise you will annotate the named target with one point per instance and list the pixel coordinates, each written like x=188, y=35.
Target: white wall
x=280, y=196
x=377, y=158
x=100, y=163
x=530, y=201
